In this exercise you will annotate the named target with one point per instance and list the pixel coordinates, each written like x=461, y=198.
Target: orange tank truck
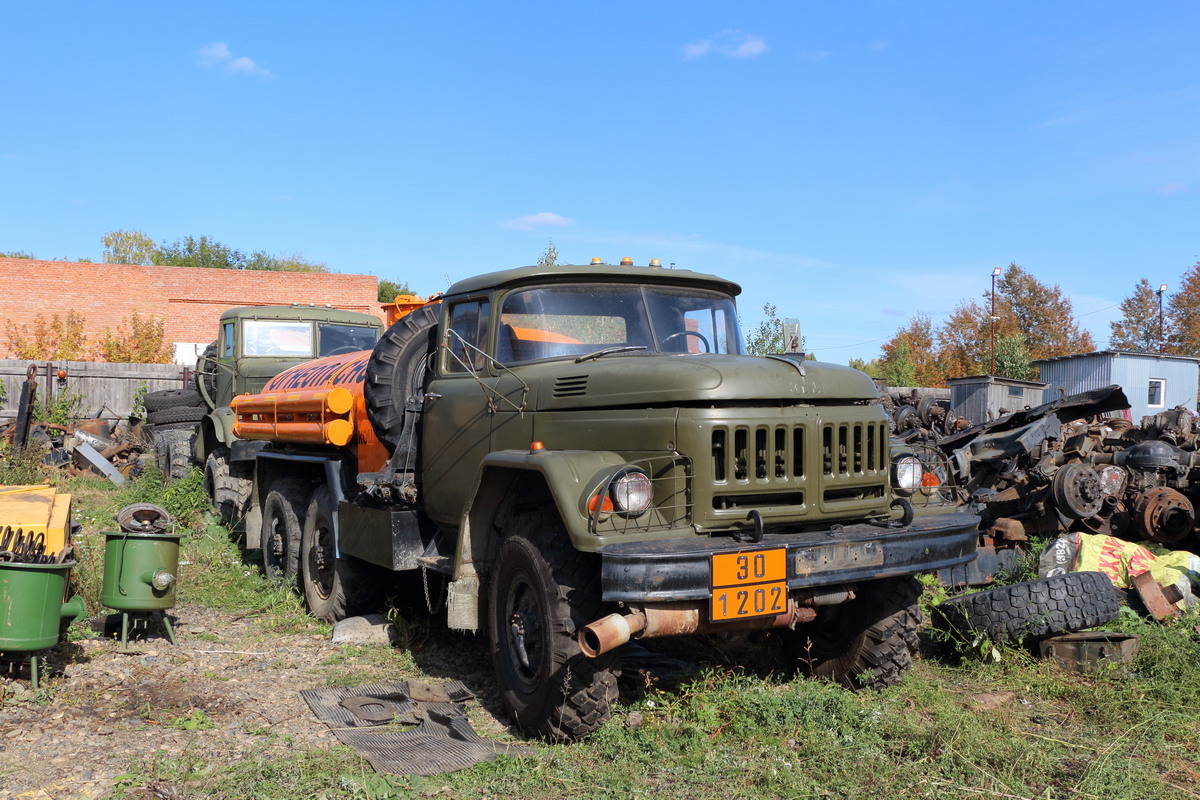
x=321, y=402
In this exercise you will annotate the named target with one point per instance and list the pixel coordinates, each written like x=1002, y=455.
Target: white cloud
x=731, y=43
x=219, y=56
x=1172, y=188
x=543, y=219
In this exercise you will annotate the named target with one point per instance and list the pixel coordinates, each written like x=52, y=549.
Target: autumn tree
x=917, y=358
x=56, y=337
x=129, y=247
x=137, y=340
x=1043, y=315
x=1183, y=315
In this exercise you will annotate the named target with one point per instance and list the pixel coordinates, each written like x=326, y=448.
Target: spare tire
x=1033, y=609
x=396, y=376
x=171, y=398
x=206, y=375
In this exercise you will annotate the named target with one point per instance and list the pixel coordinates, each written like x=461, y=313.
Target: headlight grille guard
x=671, y=476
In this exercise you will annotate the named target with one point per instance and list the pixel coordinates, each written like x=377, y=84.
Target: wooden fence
x=107, y=388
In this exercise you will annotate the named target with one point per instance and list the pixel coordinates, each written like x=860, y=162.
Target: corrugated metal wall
x=1132, y=372
x=974, y=398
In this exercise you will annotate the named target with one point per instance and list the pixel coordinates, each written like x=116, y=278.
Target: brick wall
x=189, y=299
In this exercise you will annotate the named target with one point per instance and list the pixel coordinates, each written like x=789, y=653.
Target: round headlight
x=907, y=473
x=632, y=492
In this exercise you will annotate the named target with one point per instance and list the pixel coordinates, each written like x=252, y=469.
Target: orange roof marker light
x=626, y=262
x=536, y=447
x=597, y=260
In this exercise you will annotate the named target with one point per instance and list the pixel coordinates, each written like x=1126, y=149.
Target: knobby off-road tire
x=206, y=375
x=283, y=526
x=1033, y=609
x=396, y=372
x=542, y=591
x=171, y=398
x=864, y=644
x=334, y=588
x=176, y=415
x=227, y=485
x=173, y=452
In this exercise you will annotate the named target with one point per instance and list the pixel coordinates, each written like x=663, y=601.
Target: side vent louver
x=573, y=386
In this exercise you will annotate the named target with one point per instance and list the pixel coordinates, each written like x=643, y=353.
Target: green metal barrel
x=32, y=607
x=140, y=570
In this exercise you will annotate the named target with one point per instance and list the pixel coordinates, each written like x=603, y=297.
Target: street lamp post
x=1161, y=290
x=995, y=274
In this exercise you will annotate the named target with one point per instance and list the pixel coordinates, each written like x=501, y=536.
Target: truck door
x=457, y=421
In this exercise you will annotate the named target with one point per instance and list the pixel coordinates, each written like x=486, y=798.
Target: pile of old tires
x=1023, y=613
x=174, y=415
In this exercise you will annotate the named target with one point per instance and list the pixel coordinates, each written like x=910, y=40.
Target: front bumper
x=680, y=569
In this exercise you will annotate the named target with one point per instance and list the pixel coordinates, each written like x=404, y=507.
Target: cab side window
x=467, y=339
x=227, y=340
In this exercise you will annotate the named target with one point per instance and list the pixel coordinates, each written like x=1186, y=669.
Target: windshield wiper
x=610, y=350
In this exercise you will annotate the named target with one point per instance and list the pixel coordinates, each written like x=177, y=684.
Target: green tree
x=202, y=252
x=389, y=289
x=900, y=369
x=874, y=367
x=768, y=336
x=1137, y=330
x=260, y=259
x=549, y=256
x=19, y=254
x=129, y=247
x=1012, y=359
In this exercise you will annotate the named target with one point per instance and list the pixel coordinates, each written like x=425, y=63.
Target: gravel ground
x=223, y=691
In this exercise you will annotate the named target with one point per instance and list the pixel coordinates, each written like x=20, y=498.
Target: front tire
x=864, y=644
x=542, y=591
x=226, y=485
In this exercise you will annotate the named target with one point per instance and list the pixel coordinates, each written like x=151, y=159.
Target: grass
x=1016, y=727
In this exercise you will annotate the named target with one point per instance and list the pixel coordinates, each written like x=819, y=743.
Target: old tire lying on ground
x=864, y=644
x=227, y=485
x=1033, y=609
x=171, y=398
x=542, y=591
x=178, y=415
x=173, y=452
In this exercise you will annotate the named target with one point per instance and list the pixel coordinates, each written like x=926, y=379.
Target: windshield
x=338, y=339
x=272, y=337
x=578, y=319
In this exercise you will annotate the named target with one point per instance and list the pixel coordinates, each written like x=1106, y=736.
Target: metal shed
x=984, y=397
x=1153, y=382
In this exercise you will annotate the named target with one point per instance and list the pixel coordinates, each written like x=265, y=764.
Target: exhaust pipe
x=675, y=619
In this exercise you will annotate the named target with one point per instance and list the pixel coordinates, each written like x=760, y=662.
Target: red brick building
x=189, y=299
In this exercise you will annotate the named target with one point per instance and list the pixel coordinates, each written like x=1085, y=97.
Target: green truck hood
x=633, y=380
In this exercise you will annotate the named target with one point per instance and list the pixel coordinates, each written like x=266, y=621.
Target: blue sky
x=851, y=163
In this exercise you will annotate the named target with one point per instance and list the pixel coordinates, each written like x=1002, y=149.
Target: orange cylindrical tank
x=318, y=402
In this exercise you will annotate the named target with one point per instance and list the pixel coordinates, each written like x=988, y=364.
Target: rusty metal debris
x=1091, y=651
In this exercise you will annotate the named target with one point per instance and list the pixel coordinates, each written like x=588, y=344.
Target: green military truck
x=590, y=456
x=253, y=344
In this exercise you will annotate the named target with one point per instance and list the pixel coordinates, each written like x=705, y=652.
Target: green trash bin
x=140, y=576
x=32, y=607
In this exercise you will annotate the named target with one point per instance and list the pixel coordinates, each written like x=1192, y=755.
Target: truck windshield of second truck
x=338, y=339
x=573, y=320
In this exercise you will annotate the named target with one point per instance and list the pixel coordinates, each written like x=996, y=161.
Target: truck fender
x=504, y=478
x=216, y=430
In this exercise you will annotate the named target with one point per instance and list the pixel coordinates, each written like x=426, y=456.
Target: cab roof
x=592, y=273
x=302, y=312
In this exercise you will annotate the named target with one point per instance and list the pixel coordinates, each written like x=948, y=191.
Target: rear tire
x=864, y=644
x=173, y=452
x=283, y=526
x=542, y=591
x=334, y=588
x=227, y=485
